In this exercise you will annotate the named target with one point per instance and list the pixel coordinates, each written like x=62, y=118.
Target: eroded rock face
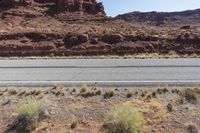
x=72, y=39
x=112, y=38
x=11, y=3
x=85, y=6
x=7, y=2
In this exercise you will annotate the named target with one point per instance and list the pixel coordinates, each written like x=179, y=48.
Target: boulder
x=72, y=39
x=83, y=38
x=112, y=38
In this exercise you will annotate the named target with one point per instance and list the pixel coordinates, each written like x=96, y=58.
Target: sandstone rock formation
x=80, y=27
x=190, y=17
x=11, y=3
x=85, y=6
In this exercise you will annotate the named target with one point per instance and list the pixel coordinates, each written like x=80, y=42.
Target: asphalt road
x=102, y=72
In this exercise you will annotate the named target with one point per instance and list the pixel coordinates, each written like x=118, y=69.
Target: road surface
x=102, y=72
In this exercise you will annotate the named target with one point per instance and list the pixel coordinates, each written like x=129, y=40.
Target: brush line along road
x=102, y=72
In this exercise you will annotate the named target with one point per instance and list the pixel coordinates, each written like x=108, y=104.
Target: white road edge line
x=135, y=81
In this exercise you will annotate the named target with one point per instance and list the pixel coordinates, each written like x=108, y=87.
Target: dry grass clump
x=85, y=92
x=12, y=91
x=163, y=90
x=129, y=94
x=153, y=94
x=144, y=93
x=58, y=90
x=29, y=116
x=73, y=90
x=175, y=91
x=108, y=94
x=169, y=107
x=36, y=92
x=21, y=93
x=192, y=129
x=74, y=124
x=123, y=119
x=191, y=95
x=1, y=93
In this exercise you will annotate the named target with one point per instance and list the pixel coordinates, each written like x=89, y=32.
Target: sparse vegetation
x=12, y=91
x=129, y=94
x=23, y=92
x=1, y=93
x=143, y=94
x=169, y=107
x=192, y=129
x=153, y=94
x=74, y=124
x=123, y=119
x=82, y=109
x=85, y=92
x=185, y=27
x=98, y=92
x=29, y=116
x=191, y=95
x=175, y=91
x=74, y=90
x=108, y=94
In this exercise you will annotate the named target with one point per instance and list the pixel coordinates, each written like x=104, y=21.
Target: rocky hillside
x=190, y=17
x=80, y=27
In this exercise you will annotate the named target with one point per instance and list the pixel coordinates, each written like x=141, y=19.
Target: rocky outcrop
x=44, y=44
x=190, y=17
x=11, y=3
x=112, y=38
x=72, y=39
x=84, y=6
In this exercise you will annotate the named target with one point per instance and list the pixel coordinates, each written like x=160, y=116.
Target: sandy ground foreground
x=165, y=110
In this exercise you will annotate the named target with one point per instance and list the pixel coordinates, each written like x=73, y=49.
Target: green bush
x=29, y=115
x=123, y=119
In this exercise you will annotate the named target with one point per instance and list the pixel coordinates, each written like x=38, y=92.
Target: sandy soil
x=69, y=105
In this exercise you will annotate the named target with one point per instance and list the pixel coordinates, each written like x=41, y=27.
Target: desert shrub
x=89, y=93
x=192, y=129
x=108, y=94
x=29, y=115
x=123, y=119
x=169, y=107
x=12, y=92
x=74, y=124
x=153, y=94
x=185, y=27
x=129, y=94
x=21, y=93
x=98, y=92
x=175, y=91
x=36, y=92
x=1, y=93
x=143, y=94
x=83, y=90
x=191, y=95
x=165, y=90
